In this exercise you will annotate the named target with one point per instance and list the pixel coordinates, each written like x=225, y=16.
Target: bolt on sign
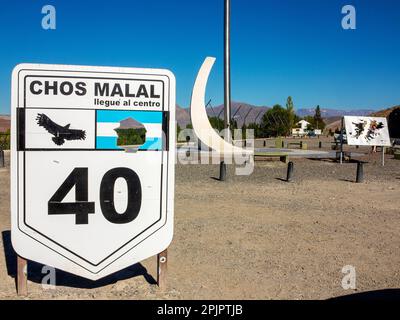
x=92, y=165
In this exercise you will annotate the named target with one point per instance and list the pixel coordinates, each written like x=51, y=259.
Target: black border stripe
x=20, y=129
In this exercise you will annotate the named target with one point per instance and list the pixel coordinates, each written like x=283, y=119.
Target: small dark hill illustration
x=131, y=133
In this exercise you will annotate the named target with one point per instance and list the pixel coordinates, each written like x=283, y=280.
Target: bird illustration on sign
x=60, y=133
x=372, y=132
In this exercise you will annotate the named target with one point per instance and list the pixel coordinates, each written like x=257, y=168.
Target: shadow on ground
x=67, y=279
x=330, y=160
x=347, y=180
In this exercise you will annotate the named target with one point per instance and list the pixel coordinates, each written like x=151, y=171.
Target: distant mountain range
x=4, y=122
x=327, y=113
x=251, y=112
x=240, y=112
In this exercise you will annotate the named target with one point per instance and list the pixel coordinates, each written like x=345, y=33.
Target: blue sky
x=279, y=47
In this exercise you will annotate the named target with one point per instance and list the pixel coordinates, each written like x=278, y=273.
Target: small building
x=301, y=129
x=303, y=124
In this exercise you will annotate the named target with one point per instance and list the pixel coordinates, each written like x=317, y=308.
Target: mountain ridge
x=331, y=112
x=183, y=115
x=247, y=110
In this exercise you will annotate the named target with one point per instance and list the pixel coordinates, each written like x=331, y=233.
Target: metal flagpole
x=227, y=80
x=227, y=64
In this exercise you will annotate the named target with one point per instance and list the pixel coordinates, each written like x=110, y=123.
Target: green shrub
x=5, y=140
x=131, y=136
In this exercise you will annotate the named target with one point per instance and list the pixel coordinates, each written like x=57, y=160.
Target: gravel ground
x=256, y=237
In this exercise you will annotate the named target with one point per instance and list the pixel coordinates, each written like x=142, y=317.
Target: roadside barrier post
x=289, y=174
x=1, y=158
x=222, y=171
x=360, y=172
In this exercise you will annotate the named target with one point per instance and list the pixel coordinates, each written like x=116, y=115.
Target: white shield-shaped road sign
x=92, y=188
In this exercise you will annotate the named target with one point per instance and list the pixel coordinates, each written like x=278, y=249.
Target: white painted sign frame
x=35, y=243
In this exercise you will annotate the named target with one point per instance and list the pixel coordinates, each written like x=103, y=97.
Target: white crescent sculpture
x=201, y=125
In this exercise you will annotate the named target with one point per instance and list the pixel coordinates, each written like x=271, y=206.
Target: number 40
x=82, y=207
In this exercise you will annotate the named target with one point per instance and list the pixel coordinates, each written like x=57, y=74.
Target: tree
x=5, y=140
x=244, y=128
x=296, y=120
x=311, y=123
x=256, y=128
x=216, y=123
x=275, y=122
x=234, y=124
x=290, y=111
x=318, y=122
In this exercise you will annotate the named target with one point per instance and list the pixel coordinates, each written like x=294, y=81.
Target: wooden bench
x=300, y=144
x=279, y=143
x=284, y=157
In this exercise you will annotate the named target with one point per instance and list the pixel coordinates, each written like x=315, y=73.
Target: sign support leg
x=162, y=269
x=22, y=276
x=341, y=141
x=383, y=156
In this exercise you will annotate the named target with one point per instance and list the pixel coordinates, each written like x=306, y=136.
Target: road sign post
x=92, y=166
x=162, y=263
x=22, y=276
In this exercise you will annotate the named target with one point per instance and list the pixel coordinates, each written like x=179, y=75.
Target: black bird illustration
x=359, y=128
x=60, y=133
x=373, y=130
